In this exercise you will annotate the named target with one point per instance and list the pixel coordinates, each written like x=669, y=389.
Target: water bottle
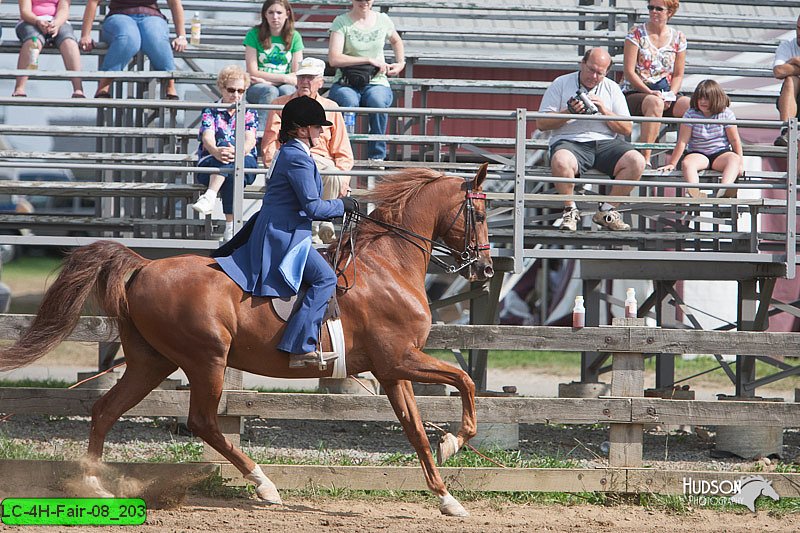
x=350, y=122
x=194, y=38
x=578, y=313
x=33, y=62
x=631, y=307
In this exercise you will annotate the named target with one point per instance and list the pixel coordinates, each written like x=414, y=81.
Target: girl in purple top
x=715, y=146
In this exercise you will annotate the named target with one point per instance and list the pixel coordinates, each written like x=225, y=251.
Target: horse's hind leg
x=145, y=369
x=206, y=386
x=401, y=396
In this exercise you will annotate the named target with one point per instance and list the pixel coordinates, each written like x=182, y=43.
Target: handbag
x=358, y=76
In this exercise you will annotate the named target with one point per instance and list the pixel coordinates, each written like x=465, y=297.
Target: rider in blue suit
x=278, y=256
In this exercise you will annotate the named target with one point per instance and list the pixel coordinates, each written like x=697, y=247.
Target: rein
x=466, y=257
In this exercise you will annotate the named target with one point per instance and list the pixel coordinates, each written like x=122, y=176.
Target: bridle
x=464, y=258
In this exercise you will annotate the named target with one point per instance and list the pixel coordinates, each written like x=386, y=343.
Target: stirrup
x=301, y=360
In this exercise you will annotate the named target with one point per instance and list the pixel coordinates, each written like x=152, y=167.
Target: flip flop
x=102, y=94
x=76, y=94
x=19, y=95
x=173, y=97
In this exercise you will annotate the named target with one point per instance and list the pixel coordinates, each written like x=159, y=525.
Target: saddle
x=284, y=307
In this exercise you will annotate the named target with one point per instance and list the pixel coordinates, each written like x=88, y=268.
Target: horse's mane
x=390, y=196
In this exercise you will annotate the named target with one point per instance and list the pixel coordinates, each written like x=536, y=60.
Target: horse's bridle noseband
x=465, y=257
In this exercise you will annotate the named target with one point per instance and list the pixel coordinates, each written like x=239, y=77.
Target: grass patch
x=30, y=271
x=542, y=360
x=21, y=451
x=48, y=383
x=179, y=452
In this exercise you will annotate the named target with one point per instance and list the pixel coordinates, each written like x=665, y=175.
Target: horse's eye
x=480, y=217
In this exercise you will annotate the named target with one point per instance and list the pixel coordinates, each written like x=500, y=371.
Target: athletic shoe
x=610, y=219
x=570, y=218
x=204, y=205
x=783, y=138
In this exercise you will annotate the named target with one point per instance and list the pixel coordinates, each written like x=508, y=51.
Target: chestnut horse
x=184, y=312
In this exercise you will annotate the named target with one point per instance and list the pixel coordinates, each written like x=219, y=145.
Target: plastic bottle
x=350, y=122
x=194, y=38
x=33, y=63
x=631, y=307
x=578, y=313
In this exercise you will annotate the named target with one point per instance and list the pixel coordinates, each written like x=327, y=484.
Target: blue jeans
x=265, y=93
x=372, y=95
x=127, y=34
x=302, y=329
x=226, y=191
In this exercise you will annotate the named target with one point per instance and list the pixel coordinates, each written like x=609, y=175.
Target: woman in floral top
x=654, y=59
x=217, y=145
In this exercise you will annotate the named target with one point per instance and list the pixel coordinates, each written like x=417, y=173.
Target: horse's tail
x=103, y=266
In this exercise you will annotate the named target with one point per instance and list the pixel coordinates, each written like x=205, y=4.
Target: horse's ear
x=477, y=182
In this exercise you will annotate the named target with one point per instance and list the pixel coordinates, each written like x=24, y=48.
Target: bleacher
x=142, y=164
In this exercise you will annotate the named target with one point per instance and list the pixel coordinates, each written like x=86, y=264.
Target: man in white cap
x=333, y=150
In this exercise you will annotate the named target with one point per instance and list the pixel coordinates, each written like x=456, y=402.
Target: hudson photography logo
x=724, y=492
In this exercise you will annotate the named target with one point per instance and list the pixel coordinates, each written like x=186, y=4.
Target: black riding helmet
x=303, y=111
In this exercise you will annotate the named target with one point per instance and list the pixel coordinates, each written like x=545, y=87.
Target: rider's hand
x=350, y=204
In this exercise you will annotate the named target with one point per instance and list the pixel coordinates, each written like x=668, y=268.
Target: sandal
x=173, y=97
x=78, y=94
x=697, y=195
x=102, y=94
x=19, y=95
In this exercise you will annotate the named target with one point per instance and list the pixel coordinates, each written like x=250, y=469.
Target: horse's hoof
x=447, y=448
x=96, y=487
x=265, y=489
x=269, y=495
x=449, y=506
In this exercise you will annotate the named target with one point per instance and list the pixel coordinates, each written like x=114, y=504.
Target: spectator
x=131, y=26
x=46, y=22
x=654, y=59
x=715, y=146
x=786, y=67
x=578, y=145
x=218, y=142
x=357, y=39
x=273, y=51
x=331, y=152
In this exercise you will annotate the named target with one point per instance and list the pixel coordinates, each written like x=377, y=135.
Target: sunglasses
x=231, y=90
x=656, y=8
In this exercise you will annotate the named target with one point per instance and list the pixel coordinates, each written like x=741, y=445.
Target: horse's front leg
x=423, y=368
x=401, y=396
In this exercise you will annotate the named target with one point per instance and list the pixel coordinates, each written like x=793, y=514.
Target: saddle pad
x=337, y=343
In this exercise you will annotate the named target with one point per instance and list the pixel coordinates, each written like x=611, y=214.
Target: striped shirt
x=709, y=139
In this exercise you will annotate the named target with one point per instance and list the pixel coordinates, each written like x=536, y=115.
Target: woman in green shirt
x=273, y=52
x=357, y=39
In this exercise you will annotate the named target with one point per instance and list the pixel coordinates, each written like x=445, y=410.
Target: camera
x=588, y=106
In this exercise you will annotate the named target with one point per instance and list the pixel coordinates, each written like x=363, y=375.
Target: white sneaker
x=570, y=219
x=326, y=232
x=228, y=234
x=204, y=205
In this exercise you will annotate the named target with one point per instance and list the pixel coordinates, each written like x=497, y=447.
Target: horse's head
x=468, y=231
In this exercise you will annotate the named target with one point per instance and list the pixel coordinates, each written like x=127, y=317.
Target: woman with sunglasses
x=273, y=53
x=654, y=59
x=218, y=142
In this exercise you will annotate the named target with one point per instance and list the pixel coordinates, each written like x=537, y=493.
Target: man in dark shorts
x=579, y=145
x=786, y=67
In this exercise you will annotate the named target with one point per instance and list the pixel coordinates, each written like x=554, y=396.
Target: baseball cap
x=311, y=66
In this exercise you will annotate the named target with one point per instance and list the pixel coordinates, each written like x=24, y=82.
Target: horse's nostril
x=488, y=271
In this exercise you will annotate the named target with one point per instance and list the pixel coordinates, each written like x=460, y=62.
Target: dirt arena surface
x=301, y=515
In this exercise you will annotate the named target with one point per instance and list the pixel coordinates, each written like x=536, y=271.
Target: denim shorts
x=26, y=32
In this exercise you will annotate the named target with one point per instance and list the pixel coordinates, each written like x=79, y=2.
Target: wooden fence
x=626, y=410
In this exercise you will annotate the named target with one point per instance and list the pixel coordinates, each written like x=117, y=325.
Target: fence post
x=627, y=380
x=238, y=166
x=519, y=188
x=229, y=426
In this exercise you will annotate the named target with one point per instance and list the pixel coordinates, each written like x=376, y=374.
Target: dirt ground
x=301, y=515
